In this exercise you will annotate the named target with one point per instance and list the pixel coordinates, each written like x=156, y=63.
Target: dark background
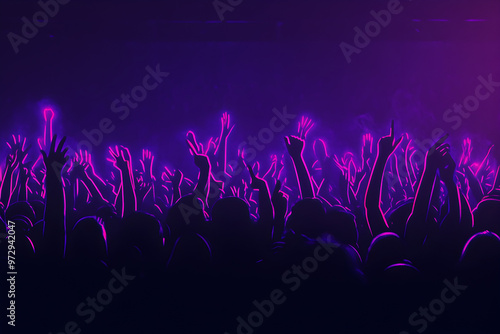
x=265, y=55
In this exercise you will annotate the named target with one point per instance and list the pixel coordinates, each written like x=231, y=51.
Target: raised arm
x=175, y=179
x=295, y=147
x=266, y=211
x=203, y=163
x=122, y=161
x=14, y=159
x=221, y=149
x=374, y=215
x=417, y=225
x=82, y=171
x=54, y=229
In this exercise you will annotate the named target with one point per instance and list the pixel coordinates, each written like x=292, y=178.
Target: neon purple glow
x=217, y=143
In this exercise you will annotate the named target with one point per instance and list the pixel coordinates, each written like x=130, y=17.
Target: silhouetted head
x=21, y=224
x=87, y=241
x=481, y=256
x=307, y=217
x=144, y=231
x=188, y=210
x=231, y=212
x=486, y=216
x=385, y=249
x=20, y=209
x=342, y=225
x=401, y=273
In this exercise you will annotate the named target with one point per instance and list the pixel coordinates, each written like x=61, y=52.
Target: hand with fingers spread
x=55, y=158
x=78, y=169
x=226, y=127
x=220, y=151
x=18, y=152
x=305, y=125
x=367, y=149
x=203, y=163
x=147, y=166
x=55, y=207
x=118, y=158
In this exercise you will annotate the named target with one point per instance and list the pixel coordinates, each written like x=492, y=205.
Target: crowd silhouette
x=344, y=243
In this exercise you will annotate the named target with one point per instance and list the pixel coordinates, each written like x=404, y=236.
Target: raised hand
x=55, y=203
x=18, y=152
x=203, y=163
x=367, y=148
x=78, y=168
x=147, y=166
x=305, y=125
x=226, y=127
x=265, y=208
x=119, y=158
x=294, y=146
x=55, y=157
x=387, y=144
